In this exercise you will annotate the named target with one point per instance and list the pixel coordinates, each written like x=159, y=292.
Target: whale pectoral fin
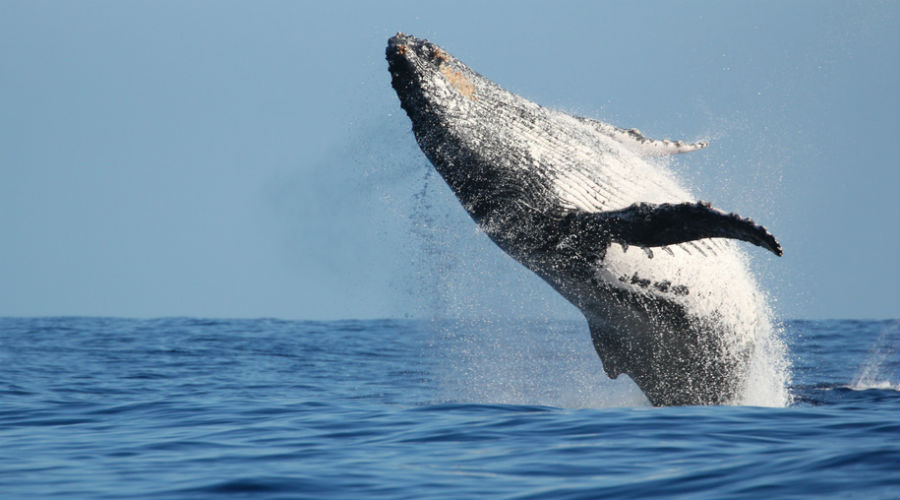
x=642, y=145
x=649, y=225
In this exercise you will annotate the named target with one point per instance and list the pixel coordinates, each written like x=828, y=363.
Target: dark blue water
x=188, y=408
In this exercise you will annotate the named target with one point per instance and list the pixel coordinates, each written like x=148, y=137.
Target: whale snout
x=426, y=78
x=397, y=45
x=408, y=49
x=402, y=47
x=401, y=39
x=413, y=63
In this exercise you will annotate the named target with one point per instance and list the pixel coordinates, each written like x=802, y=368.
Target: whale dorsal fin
x=649, y=225
x=634, y=140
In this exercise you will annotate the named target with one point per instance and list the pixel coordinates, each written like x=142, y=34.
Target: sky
x=250, y=159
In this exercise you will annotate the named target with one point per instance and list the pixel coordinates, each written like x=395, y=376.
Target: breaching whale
x=666, y=292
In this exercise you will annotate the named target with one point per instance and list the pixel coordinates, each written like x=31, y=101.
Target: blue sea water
x=194, y=408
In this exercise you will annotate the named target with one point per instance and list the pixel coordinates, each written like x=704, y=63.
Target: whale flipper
x=650, y=225
x=644, y=146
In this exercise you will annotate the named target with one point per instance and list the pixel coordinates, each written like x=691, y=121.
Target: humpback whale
x=589, y=208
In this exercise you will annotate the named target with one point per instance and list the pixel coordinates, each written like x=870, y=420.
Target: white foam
x=882, y=385
x=526, y=363
x=872, y=373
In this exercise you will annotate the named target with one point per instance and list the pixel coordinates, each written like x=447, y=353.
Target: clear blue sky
x=251, y=159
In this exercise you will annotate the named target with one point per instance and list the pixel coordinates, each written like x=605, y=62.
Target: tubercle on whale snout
x=400, y=44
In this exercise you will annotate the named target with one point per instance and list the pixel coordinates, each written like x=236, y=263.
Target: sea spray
x=880, y=369
x=525, y=362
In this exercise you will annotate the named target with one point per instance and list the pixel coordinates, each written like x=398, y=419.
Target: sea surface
x=196, y=408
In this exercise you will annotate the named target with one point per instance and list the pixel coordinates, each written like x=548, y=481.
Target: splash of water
x=526, y=362
x=769, y=372
x=879, y=369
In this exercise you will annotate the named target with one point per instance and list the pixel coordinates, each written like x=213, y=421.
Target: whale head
x=429, y=81
x=454, y=117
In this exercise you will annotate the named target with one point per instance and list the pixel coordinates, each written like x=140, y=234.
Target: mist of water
x=880, y=370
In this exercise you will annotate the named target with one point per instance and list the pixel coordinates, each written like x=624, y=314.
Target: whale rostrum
x=567, y=197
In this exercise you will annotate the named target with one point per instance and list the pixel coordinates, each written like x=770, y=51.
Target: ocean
x=188, y=408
